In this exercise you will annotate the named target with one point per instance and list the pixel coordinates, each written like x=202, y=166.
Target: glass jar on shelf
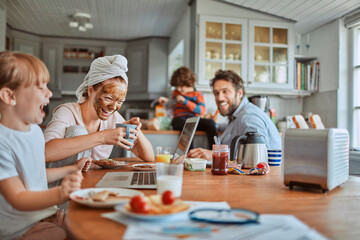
x=215, y=50
x=232, y=32
x=67, y=53
x=262, y=74
x=213, y=30
x=280, y=55
x=262, y=54
x=280, y=74
x=232, y=51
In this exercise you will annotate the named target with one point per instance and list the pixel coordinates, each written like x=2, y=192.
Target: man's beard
x=232, y=108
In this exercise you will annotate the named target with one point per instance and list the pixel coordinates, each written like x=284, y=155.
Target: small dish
x=83, y=197
x=144, y=167
x=123, y=208
x=109, y=163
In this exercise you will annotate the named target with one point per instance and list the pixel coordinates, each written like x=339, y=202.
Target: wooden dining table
x=334, y=214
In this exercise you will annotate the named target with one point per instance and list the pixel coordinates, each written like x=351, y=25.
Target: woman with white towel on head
x=88, y=127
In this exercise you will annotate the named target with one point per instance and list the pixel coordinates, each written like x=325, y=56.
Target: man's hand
x=200, y=153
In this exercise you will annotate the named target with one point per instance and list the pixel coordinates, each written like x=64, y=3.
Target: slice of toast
x=300, y=122
x=316, y=122
x=158, y=208
x=177, y=206
x=100, y=196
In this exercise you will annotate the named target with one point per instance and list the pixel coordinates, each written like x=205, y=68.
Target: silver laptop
x=147, y=180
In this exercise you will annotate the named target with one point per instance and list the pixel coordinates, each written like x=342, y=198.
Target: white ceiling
x=132, y=19
x=308, y=14
x=112, y=19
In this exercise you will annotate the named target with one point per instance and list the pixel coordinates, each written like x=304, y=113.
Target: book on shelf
x=307, y=74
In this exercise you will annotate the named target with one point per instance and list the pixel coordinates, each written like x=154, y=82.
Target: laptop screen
x=186, y=137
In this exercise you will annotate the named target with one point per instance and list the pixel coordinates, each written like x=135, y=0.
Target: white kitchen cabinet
x=69, y=61
x=109, y=51
x=222, y=45
x=52, y=57
x=137, y=58
x=271, y=55
x=147, y=61
x=260, y=51
x=26, y=45
x=76, y=64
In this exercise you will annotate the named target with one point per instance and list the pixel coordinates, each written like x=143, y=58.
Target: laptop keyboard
x=143, y=178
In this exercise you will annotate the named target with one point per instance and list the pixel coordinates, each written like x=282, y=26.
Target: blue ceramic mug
x=128, y=128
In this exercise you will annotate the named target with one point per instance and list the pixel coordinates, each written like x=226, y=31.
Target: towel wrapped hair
x=101, y=69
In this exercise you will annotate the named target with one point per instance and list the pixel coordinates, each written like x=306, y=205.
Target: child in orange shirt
x=27, y=206
x=189, y=103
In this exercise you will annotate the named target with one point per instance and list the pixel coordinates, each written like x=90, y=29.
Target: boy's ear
x=7, y=95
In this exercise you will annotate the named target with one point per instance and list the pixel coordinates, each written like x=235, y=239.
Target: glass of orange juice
x=163, y=154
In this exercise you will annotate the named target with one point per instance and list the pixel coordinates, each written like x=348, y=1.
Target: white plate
x=121, y=208
x=84, y=193
x=143, y=167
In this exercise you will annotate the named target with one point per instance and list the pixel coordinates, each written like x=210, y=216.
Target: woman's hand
x=117, y=136
x=135, y=121
x=83, y=164
x=70, y=184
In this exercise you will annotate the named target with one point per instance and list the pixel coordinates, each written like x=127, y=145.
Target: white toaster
x=315, y=158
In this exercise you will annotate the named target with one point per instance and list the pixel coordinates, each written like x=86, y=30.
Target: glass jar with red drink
x=220, y=159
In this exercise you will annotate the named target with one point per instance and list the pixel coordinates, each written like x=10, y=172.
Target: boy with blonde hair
x=27, y=206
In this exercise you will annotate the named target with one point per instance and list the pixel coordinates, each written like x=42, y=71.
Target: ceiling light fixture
x=81, y=21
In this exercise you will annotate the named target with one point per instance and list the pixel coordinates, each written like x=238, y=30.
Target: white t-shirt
x=69, y=114
x=22, y=154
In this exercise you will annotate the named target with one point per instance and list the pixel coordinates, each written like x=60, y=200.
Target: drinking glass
x=169, y=176
x=163, y=154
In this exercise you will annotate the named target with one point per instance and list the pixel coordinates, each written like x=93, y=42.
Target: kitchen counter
x=174, y=132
